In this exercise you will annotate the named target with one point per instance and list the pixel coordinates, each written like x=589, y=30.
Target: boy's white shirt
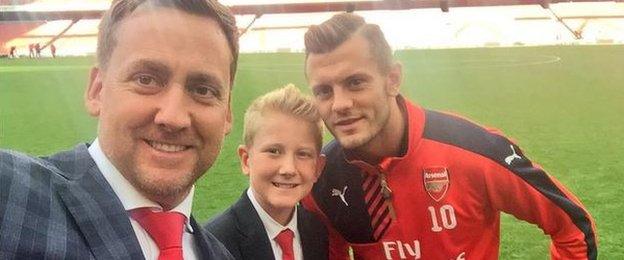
x=273, y=228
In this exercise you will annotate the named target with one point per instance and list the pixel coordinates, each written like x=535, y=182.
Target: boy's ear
x=243, y=154
x=320, y=165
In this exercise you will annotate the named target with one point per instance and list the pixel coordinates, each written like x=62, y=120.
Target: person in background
x=31, y=50
x=12, y=53
x=37, y=50
x=53, y=50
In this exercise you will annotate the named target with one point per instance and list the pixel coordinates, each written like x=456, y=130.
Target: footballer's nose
x=341, y=101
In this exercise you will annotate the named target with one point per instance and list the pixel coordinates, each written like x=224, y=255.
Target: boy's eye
x=305, y=154
x=273, y=150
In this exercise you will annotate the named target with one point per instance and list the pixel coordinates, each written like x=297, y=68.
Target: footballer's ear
x=320, y=165
x=394, y=79
x=92, y=96
x=243, y=155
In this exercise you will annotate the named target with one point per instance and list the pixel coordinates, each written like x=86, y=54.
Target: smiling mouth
x=284, y=185
x=346, y=122
x=167, y=148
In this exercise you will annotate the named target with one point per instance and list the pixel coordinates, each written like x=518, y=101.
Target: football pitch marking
x=508, y=61
x=282, y=67
x=499, y=61
x=511, y=61
x=484, y=63
x=48, y=67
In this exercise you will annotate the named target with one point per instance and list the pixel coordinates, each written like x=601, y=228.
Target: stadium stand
x=279, y=27
x=15, y=2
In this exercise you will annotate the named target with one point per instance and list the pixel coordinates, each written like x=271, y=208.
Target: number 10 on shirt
x=444, y=215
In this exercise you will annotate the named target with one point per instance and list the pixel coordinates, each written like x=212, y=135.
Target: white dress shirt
x=131, y=199
x=273, y=228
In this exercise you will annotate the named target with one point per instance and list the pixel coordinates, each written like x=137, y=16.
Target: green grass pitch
x=562, y=104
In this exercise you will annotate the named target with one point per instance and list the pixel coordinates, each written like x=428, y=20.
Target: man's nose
x=173, y=113
x=342, y=101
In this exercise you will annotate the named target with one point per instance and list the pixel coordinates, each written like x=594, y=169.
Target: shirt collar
x=272, y=227
x=129, y=196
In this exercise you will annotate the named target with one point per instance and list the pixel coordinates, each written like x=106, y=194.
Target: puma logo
x=336, y=192
x=509, y=159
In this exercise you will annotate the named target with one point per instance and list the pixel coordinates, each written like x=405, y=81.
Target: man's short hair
x=120, y=9
x=327, y=36
x=287, y=100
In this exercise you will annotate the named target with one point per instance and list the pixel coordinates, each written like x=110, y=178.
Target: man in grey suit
x=161, y=93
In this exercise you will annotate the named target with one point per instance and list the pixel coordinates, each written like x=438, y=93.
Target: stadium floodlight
x=350, y=8
x=444, y=5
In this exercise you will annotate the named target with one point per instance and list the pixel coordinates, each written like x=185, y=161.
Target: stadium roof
x=92, y=9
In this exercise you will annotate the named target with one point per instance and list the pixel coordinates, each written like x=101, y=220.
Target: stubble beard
x=163, y=187
x=363, y=141
x=162, y=191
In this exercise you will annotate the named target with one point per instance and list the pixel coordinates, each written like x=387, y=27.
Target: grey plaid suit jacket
x=61, y=207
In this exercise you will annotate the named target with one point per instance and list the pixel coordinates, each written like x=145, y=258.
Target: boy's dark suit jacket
x=240, y=229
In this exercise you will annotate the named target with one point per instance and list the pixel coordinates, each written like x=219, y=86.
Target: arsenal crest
x=436, y=180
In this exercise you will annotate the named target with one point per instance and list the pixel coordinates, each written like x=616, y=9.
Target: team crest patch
x=436, y=180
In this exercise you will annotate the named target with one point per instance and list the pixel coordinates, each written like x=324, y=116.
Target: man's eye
x=323, y=92
x=356, y=82
x=204, y=91
x=146, y=80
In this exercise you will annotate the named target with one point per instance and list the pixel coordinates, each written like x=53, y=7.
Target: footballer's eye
x=356, y=83
x=322, y=92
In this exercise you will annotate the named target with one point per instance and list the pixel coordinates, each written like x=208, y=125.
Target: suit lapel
x=255, y=244
x=95, y=208
x=201, y=241
x=313, y=241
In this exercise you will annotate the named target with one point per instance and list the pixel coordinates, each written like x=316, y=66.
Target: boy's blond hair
x=287, y=100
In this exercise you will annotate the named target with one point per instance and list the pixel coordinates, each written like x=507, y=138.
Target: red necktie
x=285, y=241
x=165, y=228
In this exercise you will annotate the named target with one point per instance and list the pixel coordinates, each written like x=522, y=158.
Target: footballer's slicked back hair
x=121, y=9
x=287, y=100
x=327, y=36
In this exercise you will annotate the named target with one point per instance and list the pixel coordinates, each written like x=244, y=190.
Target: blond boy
x=281, y=155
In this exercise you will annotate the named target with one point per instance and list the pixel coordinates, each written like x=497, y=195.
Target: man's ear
x=227, y=128
x=243, y=155
x=93, y=92
x=394, y=79
x=320, y=165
